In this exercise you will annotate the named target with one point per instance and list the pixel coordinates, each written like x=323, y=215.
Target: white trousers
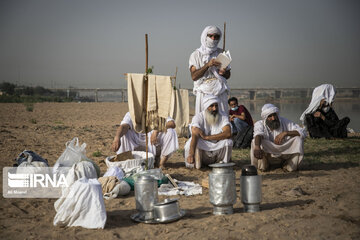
x=290, y=154
x=223, y=104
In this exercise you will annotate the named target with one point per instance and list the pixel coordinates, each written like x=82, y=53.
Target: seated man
x=239, y=116
x=210, y=140
x=277, y=141
x=161, y=144
x=320, y=118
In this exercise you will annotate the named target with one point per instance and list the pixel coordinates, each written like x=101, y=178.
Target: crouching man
x=210, y=140
x=277, y=141
x=162, y=144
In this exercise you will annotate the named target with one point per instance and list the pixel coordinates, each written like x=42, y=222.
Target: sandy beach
x=327, y=208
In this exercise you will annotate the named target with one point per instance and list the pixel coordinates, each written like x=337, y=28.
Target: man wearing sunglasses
x=205, y=71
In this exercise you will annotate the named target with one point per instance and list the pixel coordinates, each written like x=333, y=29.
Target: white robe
x=168, y=141
x=200, y=122
x=291, y=145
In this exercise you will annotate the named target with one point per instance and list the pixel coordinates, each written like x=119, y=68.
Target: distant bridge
x=241, y=93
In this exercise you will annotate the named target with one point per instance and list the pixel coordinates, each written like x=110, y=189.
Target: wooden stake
x=175, y=77
x=224, y=36
x=145, y=100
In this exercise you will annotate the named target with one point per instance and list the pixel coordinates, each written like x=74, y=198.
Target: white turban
x=268, y=109
x=324, y=91
x=209, y=99
x=204, y=49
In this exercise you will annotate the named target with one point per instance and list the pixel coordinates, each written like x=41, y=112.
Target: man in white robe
x=208, y=78
x=277, y=141
x=210, y=140
x=161, y=144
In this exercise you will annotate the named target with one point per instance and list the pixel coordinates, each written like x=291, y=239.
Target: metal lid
x=145, y=178
x=222, y=165
x=249, y=170
x=166, y=201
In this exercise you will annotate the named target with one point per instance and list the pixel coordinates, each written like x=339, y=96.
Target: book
x=224, y=58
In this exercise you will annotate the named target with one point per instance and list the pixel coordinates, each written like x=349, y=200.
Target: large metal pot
x=250, y=189
x=222, y=188
x=146, y=195
x=168, y=211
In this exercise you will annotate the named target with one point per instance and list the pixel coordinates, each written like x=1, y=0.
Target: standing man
x=277, y=141
x=208, y=78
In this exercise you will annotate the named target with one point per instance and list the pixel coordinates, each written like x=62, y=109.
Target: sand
x=328, y=207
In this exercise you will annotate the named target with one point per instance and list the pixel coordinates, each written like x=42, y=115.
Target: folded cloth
x=122, y=188
x=108, y=183
x=83, y=206
x=184, y=188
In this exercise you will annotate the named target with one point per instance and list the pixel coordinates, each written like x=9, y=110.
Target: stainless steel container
x=146, y=195
x=250, y=189
x=222, y=188
x=168, y=211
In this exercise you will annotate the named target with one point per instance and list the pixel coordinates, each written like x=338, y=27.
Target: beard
x=211, y=118
x=273, y=124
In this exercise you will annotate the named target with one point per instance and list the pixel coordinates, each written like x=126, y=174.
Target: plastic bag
x=73, y=153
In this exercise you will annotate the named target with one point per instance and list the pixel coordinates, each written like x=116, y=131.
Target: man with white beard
x=208, y=78
x=210, y=140
x=162, y=144
x=277, y=141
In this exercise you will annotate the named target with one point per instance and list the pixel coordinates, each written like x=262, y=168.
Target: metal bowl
x=168, y=211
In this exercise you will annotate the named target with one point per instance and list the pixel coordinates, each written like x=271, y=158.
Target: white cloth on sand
x=82, y=206
x=114, y=171
x=324, y=91
x=184, y=188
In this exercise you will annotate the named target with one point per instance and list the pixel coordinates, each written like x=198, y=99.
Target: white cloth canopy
x=324, y=91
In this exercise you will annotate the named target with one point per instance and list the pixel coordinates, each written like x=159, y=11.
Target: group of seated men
x=276, y=141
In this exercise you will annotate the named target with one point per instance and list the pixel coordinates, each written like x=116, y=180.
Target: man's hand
x=116, y=144
x=213, y=62
x=190, y=159
x=222, y=71
x=279, y=138
x=317, y=114
x=231, y=118
x=153, y=138
x=202, y=135
x=258, y=153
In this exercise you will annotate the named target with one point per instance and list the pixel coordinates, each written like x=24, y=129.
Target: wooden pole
x=145, y=100
x=224, y=36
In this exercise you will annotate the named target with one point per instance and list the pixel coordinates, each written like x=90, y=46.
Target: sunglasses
x=215, y=36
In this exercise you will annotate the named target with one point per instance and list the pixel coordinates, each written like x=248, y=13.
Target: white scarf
x=324, y=91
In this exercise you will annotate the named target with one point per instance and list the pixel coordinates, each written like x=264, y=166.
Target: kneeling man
x=162, y=144
x=277, y=141
x=210, y=140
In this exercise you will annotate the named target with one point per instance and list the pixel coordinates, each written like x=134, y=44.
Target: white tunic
x=200, y=122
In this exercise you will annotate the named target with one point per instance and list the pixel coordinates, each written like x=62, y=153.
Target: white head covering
x=204, y=49
x=209, y=99
x=324, y=91
x=268, y=109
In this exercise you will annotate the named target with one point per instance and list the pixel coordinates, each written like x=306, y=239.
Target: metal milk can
x=222, y=188
x=250, y=188
x=146, y=195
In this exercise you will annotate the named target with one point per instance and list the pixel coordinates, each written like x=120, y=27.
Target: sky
x=92, y=43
